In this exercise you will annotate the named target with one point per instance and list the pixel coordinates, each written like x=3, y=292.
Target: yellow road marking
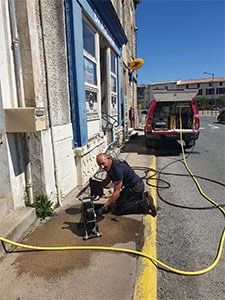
x=146, y=285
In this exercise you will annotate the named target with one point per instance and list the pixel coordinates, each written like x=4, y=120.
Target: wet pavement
x=75, y=274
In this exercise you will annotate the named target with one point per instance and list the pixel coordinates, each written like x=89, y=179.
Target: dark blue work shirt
x=120, y=170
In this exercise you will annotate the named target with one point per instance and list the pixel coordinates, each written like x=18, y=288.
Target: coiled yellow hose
x=139, y=253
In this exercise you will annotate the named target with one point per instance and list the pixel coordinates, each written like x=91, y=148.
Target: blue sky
x=180, y=39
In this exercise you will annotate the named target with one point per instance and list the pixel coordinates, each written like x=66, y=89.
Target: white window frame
x=93, y=109
x=113, y=92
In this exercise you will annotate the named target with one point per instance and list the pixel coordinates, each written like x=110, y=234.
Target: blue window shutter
x=76, y=72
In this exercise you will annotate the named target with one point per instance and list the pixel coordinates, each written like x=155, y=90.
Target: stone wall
x=85, y=158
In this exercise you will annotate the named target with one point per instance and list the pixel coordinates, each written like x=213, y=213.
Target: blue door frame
x=74, y=32
x=76, y=72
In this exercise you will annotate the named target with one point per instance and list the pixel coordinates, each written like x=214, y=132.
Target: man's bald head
x=104, y=161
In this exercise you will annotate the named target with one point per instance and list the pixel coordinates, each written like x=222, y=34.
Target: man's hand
x=100, y=211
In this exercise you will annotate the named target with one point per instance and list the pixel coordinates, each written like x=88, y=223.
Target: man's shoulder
x=121, y=162
x=117, y=161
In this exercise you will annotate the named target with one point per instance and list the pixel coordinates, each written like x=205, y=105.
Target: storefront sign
x=136, y=64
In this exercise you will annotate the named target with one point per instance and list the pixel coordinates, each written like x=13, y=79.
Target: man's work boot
x=151, y=209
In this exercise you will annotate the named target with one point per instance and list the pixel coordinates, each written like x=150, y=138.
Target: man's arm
x=106, y=181
x=116, y=193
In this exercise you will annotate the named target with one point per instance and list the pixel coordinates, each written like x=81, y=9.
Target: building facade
x=126, y=11
x=65, y=64
x=210, y=88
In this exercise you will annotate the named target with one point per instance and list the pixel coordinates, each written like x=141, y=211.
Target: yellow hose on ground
x=124, y=250
x=192, y=175
x=139, y=253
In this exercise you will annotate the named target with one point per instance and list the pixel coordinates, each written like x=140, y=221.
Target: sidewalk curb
x=146, y=284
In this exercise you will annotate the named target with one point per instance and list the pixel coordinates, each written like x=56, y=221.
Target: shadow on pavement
x=161, y=148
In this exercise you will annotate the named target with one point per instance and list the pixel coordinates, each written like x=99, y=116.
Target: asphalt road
x=189, y=227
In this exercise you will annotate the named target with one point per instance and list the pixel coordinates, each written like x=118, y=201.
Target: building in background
x=211, y=93
x=66, y=91
x=210, y=88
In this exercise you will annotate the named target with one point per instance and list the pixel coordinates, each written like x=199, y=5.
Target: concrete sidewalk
x=76, y=274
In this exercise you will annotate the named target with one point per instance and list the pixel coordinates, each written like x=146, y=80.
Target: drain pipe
x=20, y=95
x=57, y=184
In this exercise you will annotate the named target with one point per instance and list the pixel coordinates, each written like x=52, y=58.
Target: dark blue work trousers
x=130, y=201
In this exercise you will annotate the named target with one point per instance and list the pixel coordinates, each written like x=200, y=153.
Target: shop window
x=90, y=71
x=91, y=61
x=88, y=39
x=91, y=104
x=113, y=82
x=113, y=63
x=114, y=104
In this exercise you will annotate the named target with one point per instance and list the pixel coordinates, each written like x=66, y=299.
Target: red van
x=163, y=117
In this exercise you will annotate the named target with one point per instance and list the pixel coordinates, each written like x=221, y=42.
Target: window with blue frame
x=88, y=39
x=113, y=82
x=90, y=71
x=113, y=63
x=90, y=45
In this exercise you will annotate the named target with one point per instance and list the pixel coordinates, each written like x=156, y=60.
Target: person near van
x=128, y=195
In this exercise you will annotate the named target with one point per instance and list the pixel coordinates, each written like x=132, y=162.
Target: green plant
x=220, y=101
x=202, y=103
x=43, y=207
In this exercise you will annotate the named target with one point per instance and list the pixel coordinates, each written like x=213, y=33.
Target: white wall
x=12, y=170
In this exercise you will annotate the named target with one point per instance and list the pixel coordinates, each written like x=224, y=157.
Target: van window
x=165, y=110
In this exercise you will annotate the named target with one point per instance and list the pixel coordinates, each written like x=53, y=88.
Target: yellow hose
x=138, y=253
x=192, y=175
x=124, y=250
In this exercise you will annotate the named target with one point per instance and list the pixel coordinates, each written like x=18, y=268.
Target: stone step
x=15, y=224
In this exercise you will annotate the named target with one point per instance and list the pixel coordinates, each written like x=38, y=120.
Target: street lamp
x=212, y=94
